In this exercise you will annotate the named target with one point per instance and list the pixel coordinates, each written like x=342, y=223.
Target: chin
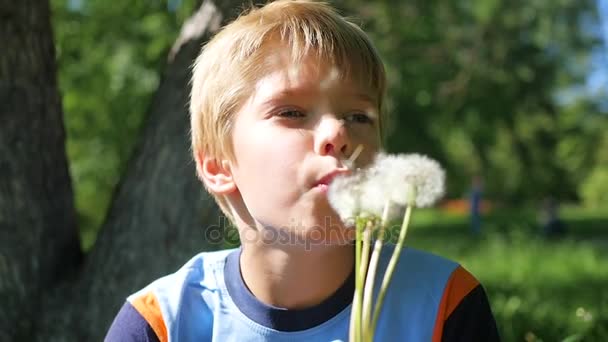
x=328, y=231
x=317, y=228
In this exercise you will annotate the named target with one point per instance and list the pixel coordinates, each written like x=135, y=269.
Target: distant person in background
x=551, y=225
x=475, y=204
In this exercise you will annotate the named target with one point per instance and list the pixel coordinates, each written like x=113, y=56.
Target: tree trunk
x=160, y=215
x=38, y=235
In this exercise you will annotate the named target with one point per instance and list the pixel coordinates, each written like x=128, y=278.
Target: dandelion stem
x=353, y=323
x=355, y=318
x=391, y=265
x=368, y=292
x=367, y=233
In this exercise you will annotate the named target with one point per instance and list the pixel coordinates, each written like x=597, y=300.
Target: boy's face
x=290, y=136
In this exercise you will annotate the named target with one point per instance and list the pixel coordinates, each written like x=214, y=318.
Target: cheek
x=273, y=154
x=268, y=165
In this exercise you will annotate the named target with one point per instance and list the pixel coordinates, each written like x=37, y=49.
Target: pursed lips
x=324, y=182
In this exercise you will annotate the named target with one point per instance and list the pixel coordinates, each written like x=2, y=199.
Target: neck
x=294, y=278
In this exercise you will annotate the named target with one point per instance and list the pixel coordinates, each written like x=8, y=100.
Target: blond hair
x=231, y=62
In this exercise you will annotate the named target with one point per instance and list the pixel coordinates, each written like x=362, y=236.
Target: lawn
x=540, y=289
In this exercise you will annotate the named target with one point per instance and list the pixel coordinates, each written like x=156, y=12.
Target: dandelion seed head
x=372, y=197
x=344, y=195
x=409, y=178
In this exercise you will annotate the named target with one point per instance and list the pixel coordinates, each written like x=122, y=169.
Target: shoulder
x=421, y=260
x=452, y=299
x=431, y=272
x=130, y=325
x=464, y=311
x=419, y=279
x=452, y=285
x=202, y=271
x=159, y=303
x=459, y=286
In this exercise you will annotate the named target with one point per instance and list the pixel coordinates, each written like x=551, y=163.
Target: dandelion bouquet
x=369, y=199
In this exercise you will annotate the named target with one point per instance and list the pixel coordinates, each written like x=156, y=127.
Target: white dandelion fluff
x=344, y=195
x=408, y=178
x=374, y=197
x=402, y=180
x=393, y=180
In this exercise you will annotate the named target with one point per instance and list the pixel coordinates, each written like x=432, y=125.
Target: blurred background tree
x=39, y=242
x=47, y=293
x=110, y=58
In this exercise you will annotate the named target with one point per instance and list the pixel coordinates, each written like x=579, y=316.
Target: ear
x=215, y=174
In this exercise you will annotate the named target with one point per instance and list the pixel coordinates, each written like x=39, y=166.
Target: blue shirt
x=429, y=299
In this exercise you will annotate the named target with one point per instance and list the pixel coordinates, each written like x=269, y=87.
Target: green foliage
x=475, y=84
x=594, y=189
x=110, y=58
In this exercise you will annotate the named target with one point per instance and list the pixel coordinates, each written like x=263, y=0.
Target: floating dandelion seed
x=350, y=162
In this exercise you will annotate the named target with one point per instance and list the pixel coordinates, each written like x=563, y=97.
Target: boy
x=280, y=99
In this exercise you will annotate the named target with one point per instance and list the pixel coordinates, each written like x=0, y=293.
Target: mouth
x=322, y=187
x=323, y=183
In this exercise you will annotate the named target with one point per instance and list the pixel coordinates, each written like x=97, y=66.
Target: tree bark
x=38, y=235
x=160, y=214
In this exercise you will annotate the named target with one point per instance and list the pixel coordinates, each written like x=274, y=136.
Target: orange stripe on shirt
x=147, y=306
x=460, y=284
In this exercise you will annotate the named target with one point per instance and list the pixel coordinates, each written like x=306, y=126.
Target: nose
x=332, y=137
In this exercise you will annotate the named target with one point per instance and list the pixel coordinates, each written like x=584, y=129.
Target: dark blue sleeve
x=130, y=326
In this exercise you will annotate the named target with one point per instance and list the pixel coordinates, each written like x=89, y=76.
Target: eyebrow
x=365, y=97
x=290, y=92
x=295, y=92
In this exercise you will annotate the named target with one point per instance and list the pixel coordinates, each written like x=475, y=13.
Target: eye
x=360, y=118
x=291, y=114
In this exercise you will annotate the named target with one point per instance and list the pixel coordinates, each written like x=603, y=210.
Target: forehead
x=283, y=75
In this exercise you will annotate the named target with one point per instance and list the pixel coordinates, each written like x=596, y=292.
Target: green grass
x=540, y=290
